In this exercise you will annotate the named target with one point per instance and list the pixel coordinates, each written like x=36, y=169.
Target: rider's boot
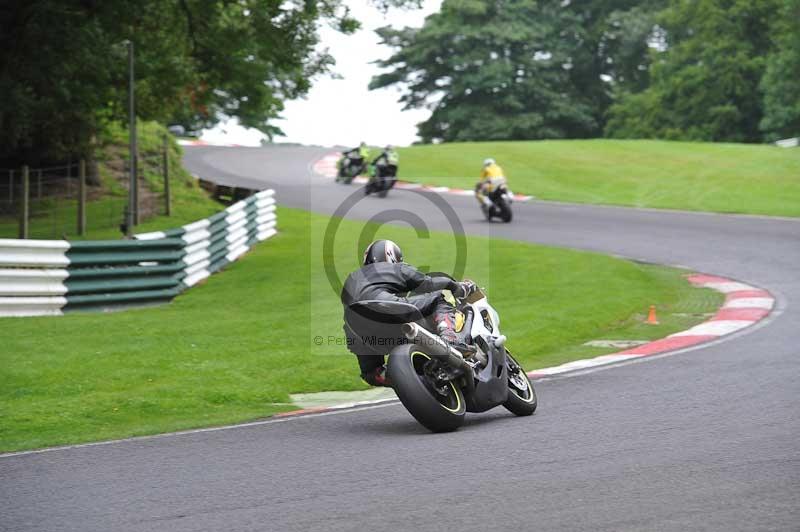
x=377, y=377
x=447, y=332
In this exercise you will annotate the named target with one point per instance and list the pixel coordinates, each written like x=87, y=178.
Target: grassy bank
x=55, y=216
x=734, y=178
x=235, y=347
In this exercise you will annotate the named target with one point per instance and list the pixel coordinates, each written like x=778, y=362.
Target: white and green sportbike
x=437, y=383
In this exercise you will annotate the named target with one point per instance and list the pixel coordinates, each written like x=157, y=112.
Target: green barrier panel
x=217, y=217
x=217, y=254
x=120, y=285
x=218, y=265
x=144, y=255
x=86, y=246
x=179, y=232
x=217, y=227
x=220, y=244
x=120, y=297
x=125, y=271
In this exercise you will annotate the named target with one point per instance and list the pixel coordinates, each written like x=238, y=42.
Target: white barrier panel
x=33, y=253
x=32, y=282
x=32, y=306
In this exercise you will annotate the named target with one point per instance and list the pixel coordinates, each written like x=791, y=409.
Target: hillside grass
x=56, y=217
x=728, y=178
x=233, y=348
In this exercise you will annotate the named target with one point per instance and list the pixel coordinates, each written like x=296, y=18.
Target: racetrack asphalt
x=702, y=440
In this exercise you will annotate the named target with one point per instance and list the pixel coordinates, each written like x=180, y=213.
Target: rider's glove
x=465, y=288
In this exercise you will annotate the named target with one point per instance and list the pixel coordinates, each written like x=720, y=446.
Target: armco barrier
x=48, y=277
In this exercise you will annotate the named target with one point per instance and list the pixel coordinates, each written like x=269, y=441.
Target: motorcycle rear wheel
x=522, y=399
x=434, y=411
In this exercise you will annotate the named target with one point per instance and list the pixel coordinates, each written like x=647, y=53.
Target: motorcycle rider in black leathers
x=385, y=276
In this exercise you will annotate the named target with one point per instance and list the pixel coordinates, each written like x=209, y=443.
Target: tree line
x=63, y=65
x=711, y=70
x=722, y=70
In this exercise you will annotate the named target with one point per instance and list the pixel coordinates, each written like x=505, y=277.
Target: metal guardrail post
x=11, y=187
x=82, y=197
x=23, y=211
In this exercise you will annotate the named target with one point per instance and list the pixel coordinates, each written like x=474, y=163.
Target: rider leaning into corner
x=359, y=154
x=385, y=276
x=490, y=171
x=387, y=157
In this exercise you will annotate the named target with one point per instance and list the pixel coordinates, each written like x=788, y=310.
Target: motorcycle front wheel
x=522, y=399
x=437, y=409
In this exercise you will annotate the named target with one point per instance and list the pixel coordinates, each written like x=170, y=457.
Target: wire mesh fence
x=78, y=199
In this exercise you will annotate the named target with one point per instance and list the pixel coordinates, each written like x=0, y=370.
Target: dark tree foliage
x=781, y=81
x=63, y=64
x=705, y=84
x=519, y=69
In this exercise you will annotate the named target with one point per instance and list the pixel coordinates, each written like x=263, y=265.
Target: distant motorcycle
x=435, y=382
x=384, y=177
x=349, y=168
x=497, y=199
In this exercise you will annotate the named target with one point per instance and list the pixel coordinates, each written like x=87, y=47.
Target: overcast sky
x=343, y=111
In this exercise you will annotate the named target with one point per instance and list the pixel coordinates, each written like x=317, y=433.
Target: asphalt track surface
x=701, y=440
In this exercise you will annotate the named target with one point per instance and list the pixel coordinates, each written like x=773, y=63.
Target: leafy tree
x=63, y=69
x=781, y=81
x=518, y=69
x=610, y=50
x=705, y=84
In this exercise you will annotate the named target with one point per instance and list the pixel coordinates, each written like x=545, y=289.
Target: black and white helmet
x=383, y=251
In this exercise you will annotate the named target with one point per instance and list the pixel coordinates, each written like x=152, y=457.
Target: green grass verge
x=55, y=218
x=733, y=178
x=234, y=348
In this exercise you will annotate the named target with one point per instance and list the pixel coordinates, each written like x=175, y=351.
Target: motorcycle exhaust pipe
x=435, y=346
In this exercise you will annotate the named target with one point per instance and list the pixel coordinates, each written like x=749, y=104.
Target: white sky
x=343, y=111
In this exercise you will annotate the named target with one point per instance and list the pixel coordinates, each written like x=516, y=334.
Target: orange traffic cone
x=651, y=316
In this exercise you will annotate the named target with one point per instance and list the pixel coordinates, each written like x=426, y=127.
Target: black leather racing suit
x=393, y=281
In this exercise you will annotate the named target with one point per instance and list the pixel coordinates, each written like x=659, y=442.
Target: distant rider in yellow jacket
x=491, y=176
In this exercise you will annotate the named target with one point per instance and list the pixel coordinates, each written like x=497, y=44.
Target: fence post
x=81, y=197
x=39, y=184
x=137, y=168
x=69, y=178
x=167, y=193
x=11, y=187
x=23, y=210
